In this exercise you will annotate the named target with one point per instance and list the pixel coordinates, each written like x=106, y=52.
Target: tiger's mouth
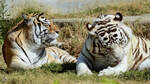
x=49, y=40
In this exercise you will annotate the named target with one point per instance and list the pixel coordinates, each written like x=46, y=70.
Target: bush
x=4, y=24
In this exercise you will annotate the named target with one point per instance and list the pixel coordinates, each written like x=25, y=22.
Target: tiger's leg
x=56, y=43
x=57, y=55
x=121, y=67
x=145, y=64
x=82, y=67
x=17, y=63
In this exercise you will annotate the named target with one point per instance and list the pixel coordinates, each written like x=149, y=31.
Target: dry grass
x=136, y=7
x=73, y=38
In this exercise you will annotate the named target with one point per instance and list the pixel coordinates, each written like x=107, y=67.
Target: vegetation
x=137, y=7
x=3, y=25
x=73, y=35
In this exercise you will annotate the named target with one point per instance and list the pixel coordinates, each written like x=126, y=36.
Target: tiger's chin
x=54, y=43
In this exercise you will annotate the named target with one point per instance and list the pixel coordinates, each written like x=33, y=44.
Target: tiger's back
x=9, y=47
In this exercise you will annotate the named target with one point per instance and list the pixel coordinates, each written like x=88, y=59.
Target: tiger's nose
x=57, y=32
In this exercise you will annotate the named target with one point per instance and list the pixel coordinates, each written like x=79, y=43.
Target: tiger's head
x=40, y=30
x=110, y=30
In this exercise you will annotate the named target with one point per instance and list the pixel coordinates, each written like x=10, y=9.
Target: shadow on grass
x=143, y=75
x=2, y=70
x=59, y=68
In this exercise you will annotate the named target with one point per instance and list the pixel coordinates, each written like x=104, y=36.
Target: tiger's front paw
x=106, y=72
x=102, y=73
x=84, y=73
x=59, y=44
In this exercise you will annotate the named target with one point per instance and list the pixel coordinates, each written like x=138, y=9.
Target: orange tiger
x=32, y=43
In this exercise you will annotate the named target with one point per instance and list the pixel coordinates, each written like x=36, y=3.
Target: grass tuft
x=53, y=67
x=105, y=80
x=143, y=75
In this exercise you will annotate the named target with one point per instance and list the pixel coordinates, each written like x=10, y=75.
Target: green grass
x=46, y=76
x=136, y=75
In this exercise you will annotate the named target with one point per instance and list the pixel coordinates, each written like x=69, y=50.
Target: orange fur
x=18, y=41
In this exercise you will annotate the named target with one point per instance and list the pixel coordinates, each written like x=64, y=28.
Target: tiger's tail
x=63, y=56
x=68, y=59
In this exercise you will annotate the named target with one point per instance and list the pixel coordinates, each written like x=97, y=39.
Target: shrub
x=4, y=24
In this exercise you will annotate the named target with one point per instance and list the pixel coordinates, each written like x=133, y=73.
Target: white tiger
x=112, y=48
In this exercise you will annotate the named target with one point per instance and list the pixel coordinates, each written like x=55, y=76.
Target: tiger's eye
x=114, y=30
x=42, y=17
x=102, y=34
x=115, y=35
x=57, y=32
x=105, y=38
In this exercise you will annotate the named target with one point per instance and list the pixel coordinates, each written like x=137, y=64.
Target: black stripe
x=137, y=47
x=35, y=32
x=39, y=24
x=22, y=48
x=41, y=55
x=64, y=59
x=88, y=64
x=137, y=53
x=101, y=27
x=60, y=56
x=17, y=28
x=99, y=50
x=125, y=33
x=24, y=53
x=93, y=57
x=39, y=16
x=144, y=45
x=137, y=61
x=70, y=60
x=34, y=23
x=112, y=30
x=99, y=32
x=115, y=27
x=94, y=46
x=21, y=58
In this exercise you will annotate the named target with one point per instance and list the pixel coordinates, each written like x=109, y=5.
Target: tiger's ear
x=89, y=26
x=24, y=16
x=40, y=14
x=118, y=17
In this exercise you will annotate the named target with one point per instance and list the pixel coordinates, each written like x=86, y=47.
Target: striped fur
x=32, y=43
x=112, y=48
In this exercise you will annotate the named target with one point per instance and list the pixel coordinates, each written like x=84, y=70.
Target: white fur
x=122, y=51
x=82, y=67
x=144, y=65
x=121, y=67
